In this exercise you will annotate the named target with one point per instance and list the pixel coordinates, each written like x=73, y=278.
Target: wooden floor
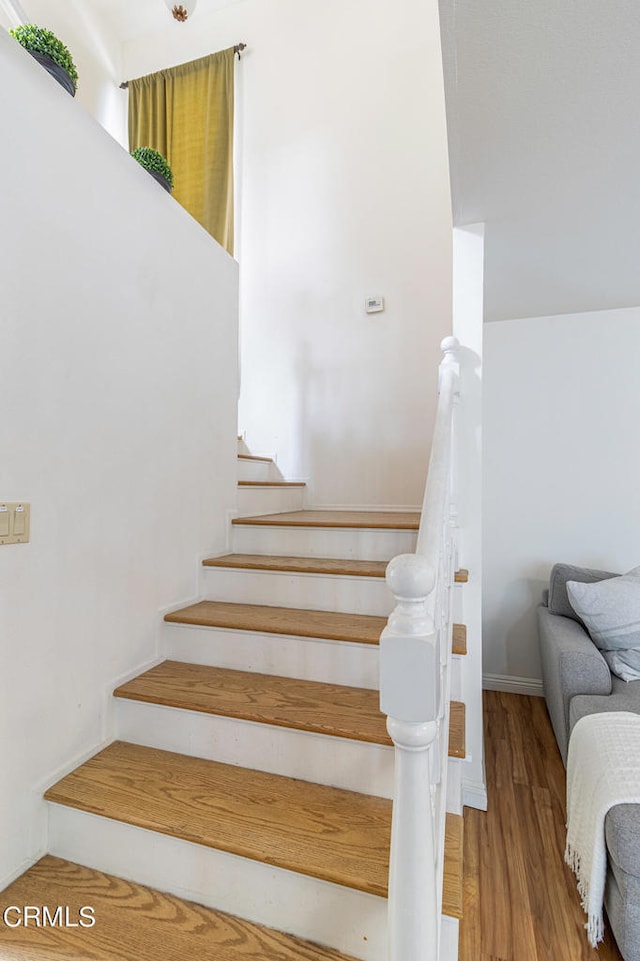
x=520, y=899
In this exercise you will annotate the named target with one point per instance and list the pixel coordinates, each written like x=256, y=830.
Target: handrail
x=414, y=693
x=438, y=476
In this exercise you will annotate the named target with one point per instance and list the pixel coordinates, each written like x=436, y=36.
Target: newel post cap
x=449, y=345
x=410, y=577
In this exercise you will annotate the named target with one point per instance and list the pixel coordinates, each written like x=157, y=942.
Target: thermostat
x=374, y=304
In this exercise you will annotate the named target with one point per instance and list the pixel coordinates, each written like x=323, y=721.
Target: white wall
x=344, y=192
x=96, y=51
x=561, y=465
x=118, y=399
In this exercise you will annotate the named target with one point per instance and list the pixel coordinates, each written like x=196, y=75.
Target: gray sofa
x=577, y=681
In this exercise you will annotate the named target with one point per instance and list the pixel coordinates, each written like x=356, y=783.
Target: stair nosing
x=304, y=565
x=454, y=833
x=266, y=484
x=457, y=749
x=285, y=519
x=459, y=639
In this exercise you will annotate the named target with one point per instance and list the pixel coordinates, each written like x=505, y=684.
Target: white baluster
x=409, y=695
x=449, y=346
x=413, y=896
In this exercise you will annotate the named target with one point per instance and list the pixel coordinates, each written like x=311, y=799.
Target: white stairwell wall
x=118, y=398
x=344, y=192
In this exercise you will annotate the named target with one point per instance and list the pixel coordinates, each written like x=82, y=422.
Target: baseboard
x=512, y=685
x=178, y=605
x=8, y=879
x=78, y=759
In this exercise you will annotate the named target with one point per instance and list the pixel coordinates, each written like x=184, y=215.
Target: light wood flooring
x=520, y=899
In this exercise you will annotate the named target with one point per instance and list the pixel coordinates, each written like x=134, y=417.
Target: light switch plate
x=15, y=521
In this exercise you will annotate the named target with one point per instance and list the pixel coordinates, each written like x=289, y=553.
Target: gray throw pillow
x=610, y=609
x=559, y=602
x=624, y=664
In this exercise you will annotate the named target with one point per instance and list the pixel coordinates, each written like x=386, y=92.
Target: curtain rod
x=238, y=48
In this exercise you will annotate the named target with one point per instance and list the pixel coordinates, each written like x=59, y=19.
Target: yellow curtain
x=187, y=114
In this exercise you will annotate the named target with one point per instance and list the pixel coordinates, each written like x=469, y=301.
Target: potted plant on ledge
x=51, y=53
x=157, y=165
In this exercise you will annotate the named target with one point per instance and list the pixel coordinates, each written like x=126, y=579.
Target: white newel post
x=409, y=679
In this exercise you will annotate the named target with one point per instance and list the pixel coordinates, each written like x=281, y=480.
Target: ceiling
x=132, y=18
x=543, y=110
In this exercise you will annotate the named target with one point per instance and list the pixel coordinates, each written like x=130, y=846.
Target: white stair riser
x=335, y=761
x=349, y=921
x=458, y=603
x=449, y=936
x=454, y=785
x=364, y=545
x=258, y=470
x=305, y=658
x=312, y=592
x=456, y=664
x=269, y=500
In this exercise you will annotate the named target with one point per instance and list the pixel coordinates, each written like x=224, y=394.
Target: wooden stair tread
x=457, y=738
x=335, y=835
x=297, y=622
x=300, y=565
x=358, y=628
x=374, y=520
x=459, y=639
x=306, y=565
x=267, y=460
x=330, y=709
x=136, y=922
x=282, y=483
x=452, y=885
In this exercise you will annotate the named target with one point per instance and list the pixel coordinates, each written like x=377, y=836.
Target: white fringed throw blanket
x=603, y=769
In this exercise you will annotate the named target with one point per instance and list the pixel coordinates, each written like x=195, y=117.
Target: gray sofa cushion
x=623, y=697
x=622, y=832
x=624, y=664
x=622, y=901
x=559, y=602
x=610, y=609
x=571, y=665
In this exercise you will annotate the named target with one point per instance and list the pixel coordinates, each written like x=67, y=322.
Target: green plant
x=41, y=40
x=152, y=159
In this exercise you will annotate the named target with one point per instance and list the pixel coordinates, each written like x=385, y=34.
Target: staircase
x=253, y=771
